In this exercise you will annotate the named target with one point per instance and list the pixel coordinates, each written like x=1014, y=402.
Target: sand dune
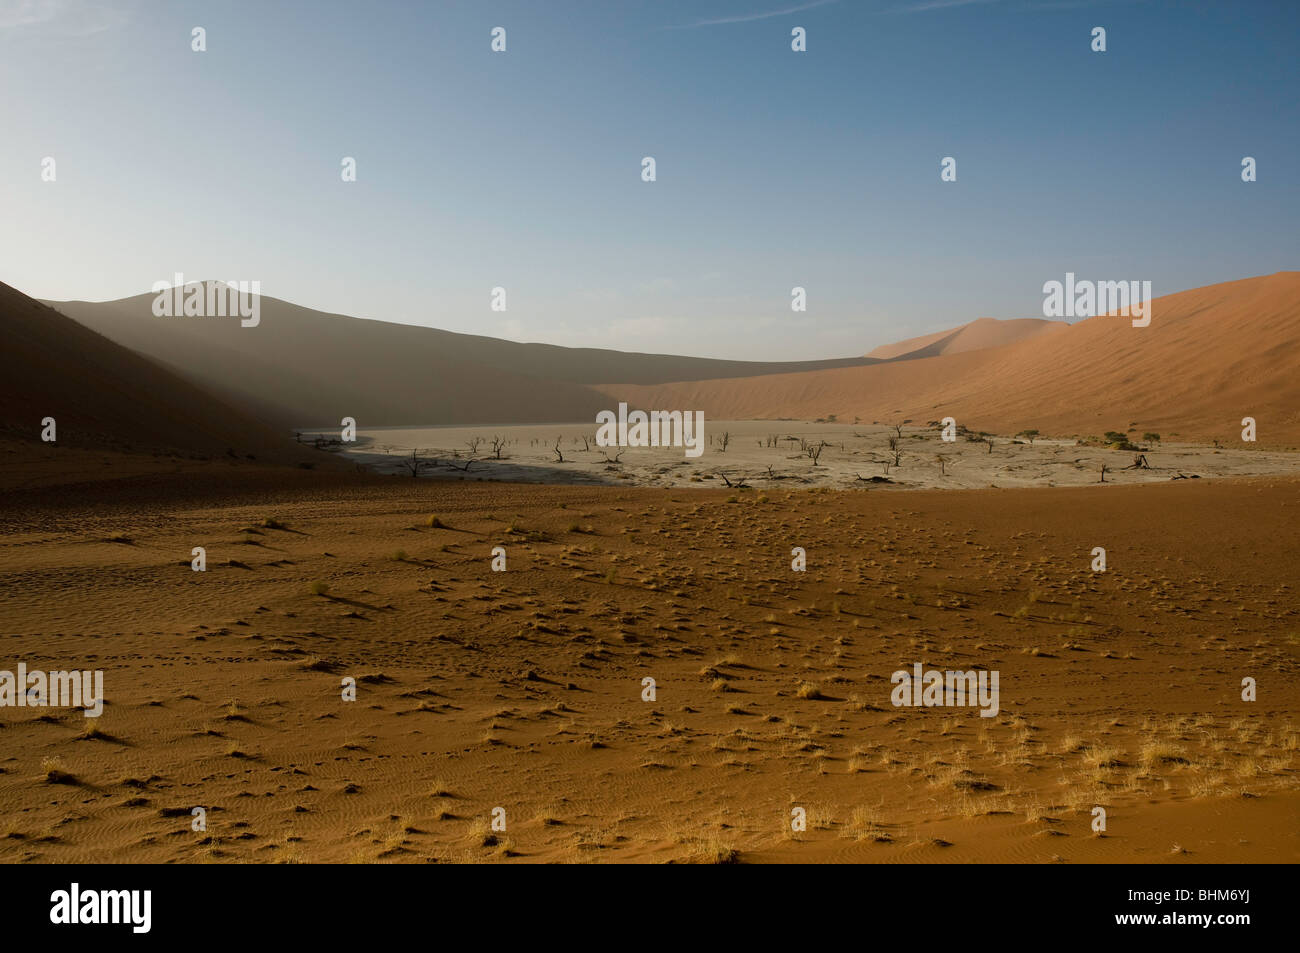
x=107, y=398
x=308, y=368
x=1210, y=357
x=979, y=334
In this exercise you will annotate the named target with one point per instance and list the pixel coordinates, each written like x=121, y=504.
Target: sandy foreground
x=523, y=689
x=769, y=454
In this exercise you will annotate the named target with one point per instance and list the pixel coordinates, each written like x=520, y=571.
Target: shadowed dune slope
x=1210, y=357
x=308, y=368
x=106, y=397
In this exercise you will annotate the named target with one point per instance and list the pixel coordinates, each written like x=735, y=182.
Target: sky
x=522, y=169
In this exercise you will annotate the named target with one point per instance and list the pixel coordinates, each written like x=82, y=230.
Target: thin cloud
x=1032, y=5
x=27, y=12
x=750, y=17
x=940, y=5
x=65, y=17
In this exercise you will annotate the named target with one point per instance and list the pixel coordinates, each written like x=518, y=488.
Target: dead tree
x=943, y=464
x=473, y=445
x=415, y=464
x=735, y=486
x=559, y=457
x=724, y=440
x=898, y=458
x=498, y=444
x=815, y=451
x=616, y=456
x=989, y=441
x=898, y=430
x=465, y=469
x=1139, y=462
x=1104, y=468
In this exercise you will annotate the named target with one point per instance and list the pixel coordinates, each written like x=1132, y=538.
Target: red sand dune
x=1210, y=357
x=977, y=335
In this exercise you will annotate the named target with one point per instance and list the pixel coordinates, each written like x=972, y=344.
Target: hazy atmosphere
x=476, y=171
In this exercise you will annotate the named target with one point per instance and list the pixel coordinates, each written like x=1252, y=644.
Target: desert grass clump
x=809, y=690
x=272, y=523
x=710, y=850
x=1035, y=811
x=52, y=769
x=318, y=587
x=864, y=822
x=1101, y=759
x=433, y=522
x=482, y=835
x=234, y=712
x=1162, y=752
x=440, y=788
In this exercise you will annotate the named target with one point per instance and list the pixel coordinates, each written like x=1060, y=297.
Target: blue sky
x=522, y=169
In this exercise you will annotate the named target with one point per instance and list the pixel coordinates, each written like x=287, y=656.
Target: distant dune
x=979, y=334
x=307, y=368
x=1210, y=357
x=106, y=397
